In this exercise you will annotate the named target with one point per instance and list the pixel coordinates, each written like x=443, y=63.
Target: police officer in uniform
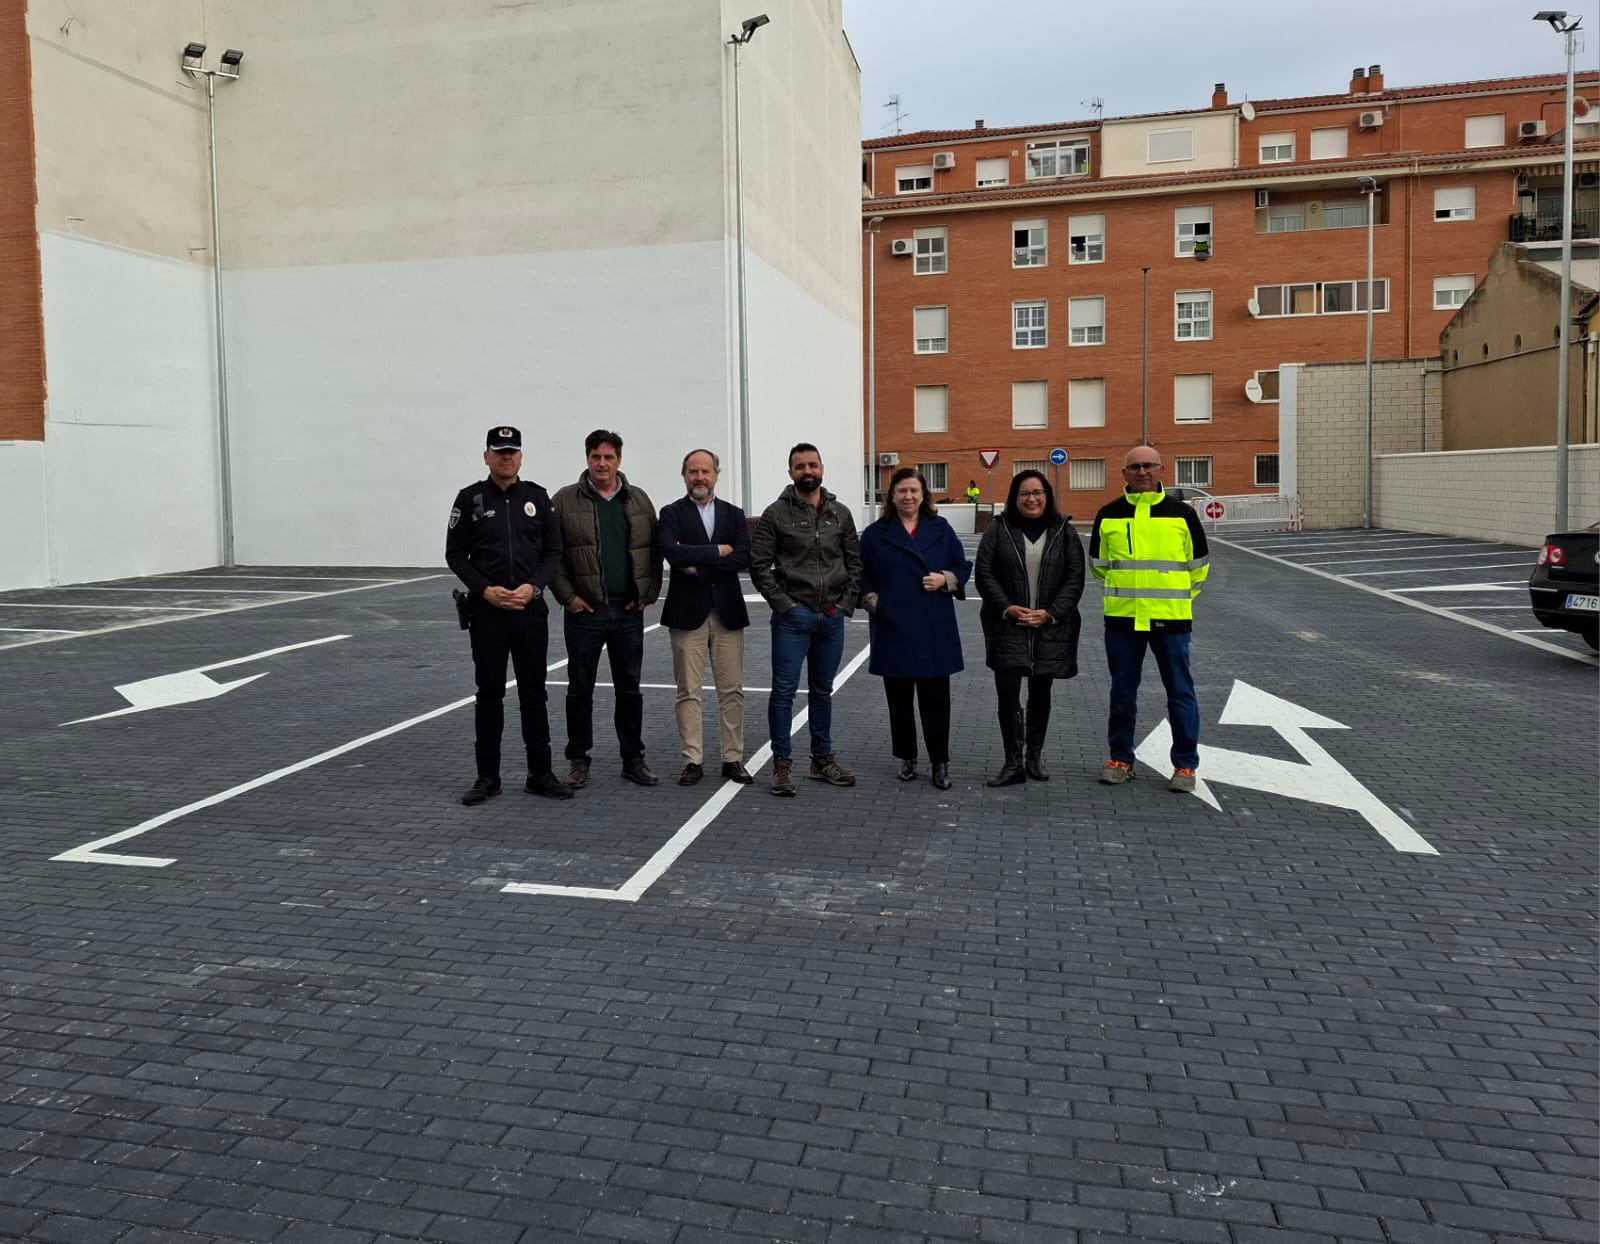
x=504, y=543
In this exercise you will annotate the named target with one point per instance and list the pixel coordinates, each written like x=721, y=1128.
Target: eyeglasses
x=1142, y=466
x=1032, y=493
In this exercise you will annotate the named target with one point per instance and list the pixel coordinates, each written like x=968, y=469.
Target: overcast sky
x=1020, y=62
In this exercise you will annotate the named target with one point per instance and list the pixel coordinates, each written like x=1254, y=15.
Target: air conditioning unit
x=1263, y=197
x=888, y=460
x=1530, y=129
x=1370, y=120
x=944, y=159
x=902, y=246
x=1587, y=181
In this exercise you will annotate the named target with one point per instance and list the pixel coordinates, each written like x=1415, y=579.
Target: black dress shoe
x=637, y=772
x=548, y=785
x=1034, y=765
x=941, y=776
x=734, y=771
x=908, y=771
x=483, y=788
x=579, y=777
x=690, y=775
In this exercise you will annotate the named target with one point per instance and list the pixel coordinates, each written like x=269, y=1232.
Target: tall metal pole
x=1570, y=31
x=1144, y=388
x=872, y=366
x=1369, y=187
x=223, y=443
x=744, y=326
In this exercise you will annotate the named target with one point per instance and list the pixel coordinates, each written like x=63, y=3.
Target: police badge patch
x=530, y=509
x=455, y=515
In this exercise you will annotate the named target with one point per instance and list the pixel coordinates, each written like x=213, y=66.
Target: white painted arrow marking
x=1321, y=780
x=189, y=686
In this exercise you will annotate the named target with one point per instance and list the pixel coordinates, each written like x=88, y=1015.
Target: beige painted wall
x=1124, y=145
x=1506, y=495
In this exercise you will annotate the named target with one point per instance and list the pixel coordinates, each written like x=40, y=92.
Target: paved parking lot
x=262, y=977
x=1484, y=583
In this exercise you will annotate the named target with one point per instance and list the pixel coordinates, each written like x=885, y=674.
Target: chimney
x=1375, y=80
x=1358, y=81
x=1219, y=95
x=978, y=124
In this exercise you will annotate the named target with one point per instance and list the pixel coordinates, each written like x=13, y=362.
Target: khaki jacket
x=580, y=574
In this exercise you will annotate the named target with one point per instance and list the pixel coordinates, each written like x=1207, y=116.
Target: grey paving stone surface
x=1059, y=1012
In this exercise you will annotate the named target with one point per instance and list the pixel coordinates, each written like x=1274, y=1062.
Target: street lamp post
x=192, y=61
x=746, y=32
x=1144, y=364
x=873, y=226
x=1369, y=187
x=1568, y=29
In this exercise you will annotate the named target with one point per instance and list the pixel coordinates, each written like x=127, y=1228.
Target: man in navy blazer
x=706, y=541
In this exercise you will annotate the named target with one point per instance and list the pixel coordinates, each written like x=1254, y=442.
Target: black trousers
x=524, y=636
x=620, y=633
x=932, y=696
x=1008, y=689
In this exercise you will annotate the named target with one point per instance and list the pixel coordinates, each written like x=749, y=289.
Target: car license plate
x=1591, y=603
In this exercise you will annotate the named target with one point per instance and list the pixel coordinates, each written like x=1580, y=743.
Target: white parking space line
x=1370, y=574
x=1465, y=587
x=297, y=578
x=1426, y=557
x=28, y=604
x=194, y=591
x=662, y=686
x=38, y=630
x=631, y=890
x=1475, y=608
x=1395, y=548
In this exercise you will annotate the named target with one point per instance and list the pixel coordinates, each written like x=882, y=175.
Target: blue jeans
x=818, y=640
x=1125, y=657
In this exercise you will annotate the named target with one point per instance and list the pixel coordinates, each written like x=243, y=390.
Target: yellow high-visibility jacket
x=1150, y=552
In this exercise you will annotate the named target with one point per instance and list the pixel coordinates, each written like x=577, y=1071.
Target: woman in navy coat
x=912, y=568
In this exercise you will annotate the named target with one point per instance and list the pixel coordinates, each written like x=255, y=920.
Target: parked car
x=1189, y=493
x=1565, y=584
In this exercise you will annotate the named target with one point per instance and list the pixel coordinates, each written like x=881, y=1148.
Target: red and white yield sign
x=1215, y=510
x=988, y=457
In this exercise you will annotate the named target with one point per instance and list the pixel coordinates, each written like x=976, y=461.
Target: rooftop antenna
x=1095, y=105
x=899, y=116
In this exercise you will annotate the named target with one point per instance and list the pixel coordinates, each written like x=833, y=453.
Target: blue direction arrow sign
x=1058, y=457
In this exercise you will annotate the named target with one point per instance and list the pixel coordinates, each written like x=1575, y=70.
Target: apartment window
x=1324, y=298
x=1344, y=215
x=1193, y=224
x=1165, y=146
x=1028, y=325
x=1086, y=238
x=931, y=329
x=1194, y=315
x=1191, y=399
x=1266, y=470
x=1330, y=144
x=1030, y=404
x=913, y=179
x=1030, y=464
x=1065, y=157
x=1086, y=321
x=1343, y=297
x=1086, y=474
x=1268, y=380
x=1286, y=299
x=1277, y=148
x=1449, y=292
x=1086, y=403
x=932, y=254
x=931, y=408
x=994, y=172
x=937, y=475
x=1486, y=131
x=1195, y=472
x=1027, y=244
x=1286, y=220
x=1456, y=203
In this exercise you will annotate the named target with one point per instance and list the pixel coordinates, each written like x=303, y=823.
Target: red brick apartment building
x=1008, y=270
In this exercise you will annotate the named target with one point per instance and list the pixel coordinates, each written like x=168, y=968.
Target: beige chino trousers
x=725, y=648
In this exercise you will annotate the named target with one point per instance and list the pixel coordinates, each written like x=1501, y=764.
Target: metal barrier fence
x=1249, y=512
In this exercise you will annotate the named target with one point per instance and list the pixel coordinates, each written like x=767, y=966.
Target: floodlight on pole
x=1369, y=187
x=747, y=30
x=873, y=226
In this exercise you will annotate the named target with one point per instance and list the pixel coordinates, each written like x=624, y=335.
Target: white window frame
x=1357, y=296
x=1033, y=249
x=1082, y=475
x=987, y=165
x=914, y=179
x=1191, y=225
x=920, y=423
x=1330, y=143
x=1187, y=305
x=1485, y=130
x=1186, y=398
x=1028, y=390
x=1284, y=297
x=1040, y=465
x=1086, y=239
x=1174, y=146
x=1277, y=476
x=1450, y=292
x=1030, y=324
x=1334, y=215
x=933, y=343
x=934, y=258
x=1086, y=321
x=1296, y=213
x=1043, y=160
x=1086, y=402
x=1455, y=203
x=1268, y=371
x=1277, y=148
x=1186, y=472
x=937, y=475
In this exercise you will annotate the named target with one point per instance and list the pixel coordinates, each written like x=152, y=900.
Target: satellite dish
x=1253, y=307
x=1247, y=110
x=1252, y=389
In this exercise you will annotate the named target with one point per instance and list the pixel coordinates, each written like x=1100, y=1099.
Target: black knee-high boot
x=1011, y=735
x=1038, y=723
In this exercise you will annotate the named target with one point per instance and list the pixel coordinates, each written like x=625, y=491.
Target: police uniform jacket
x=503, y=538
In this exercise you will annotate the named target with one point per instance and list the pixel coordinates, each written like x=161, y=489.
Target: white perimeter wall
x=1507, y=495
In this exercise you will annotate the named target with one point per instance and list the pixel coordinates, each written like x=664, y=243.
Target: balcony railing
x=1546, y=227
